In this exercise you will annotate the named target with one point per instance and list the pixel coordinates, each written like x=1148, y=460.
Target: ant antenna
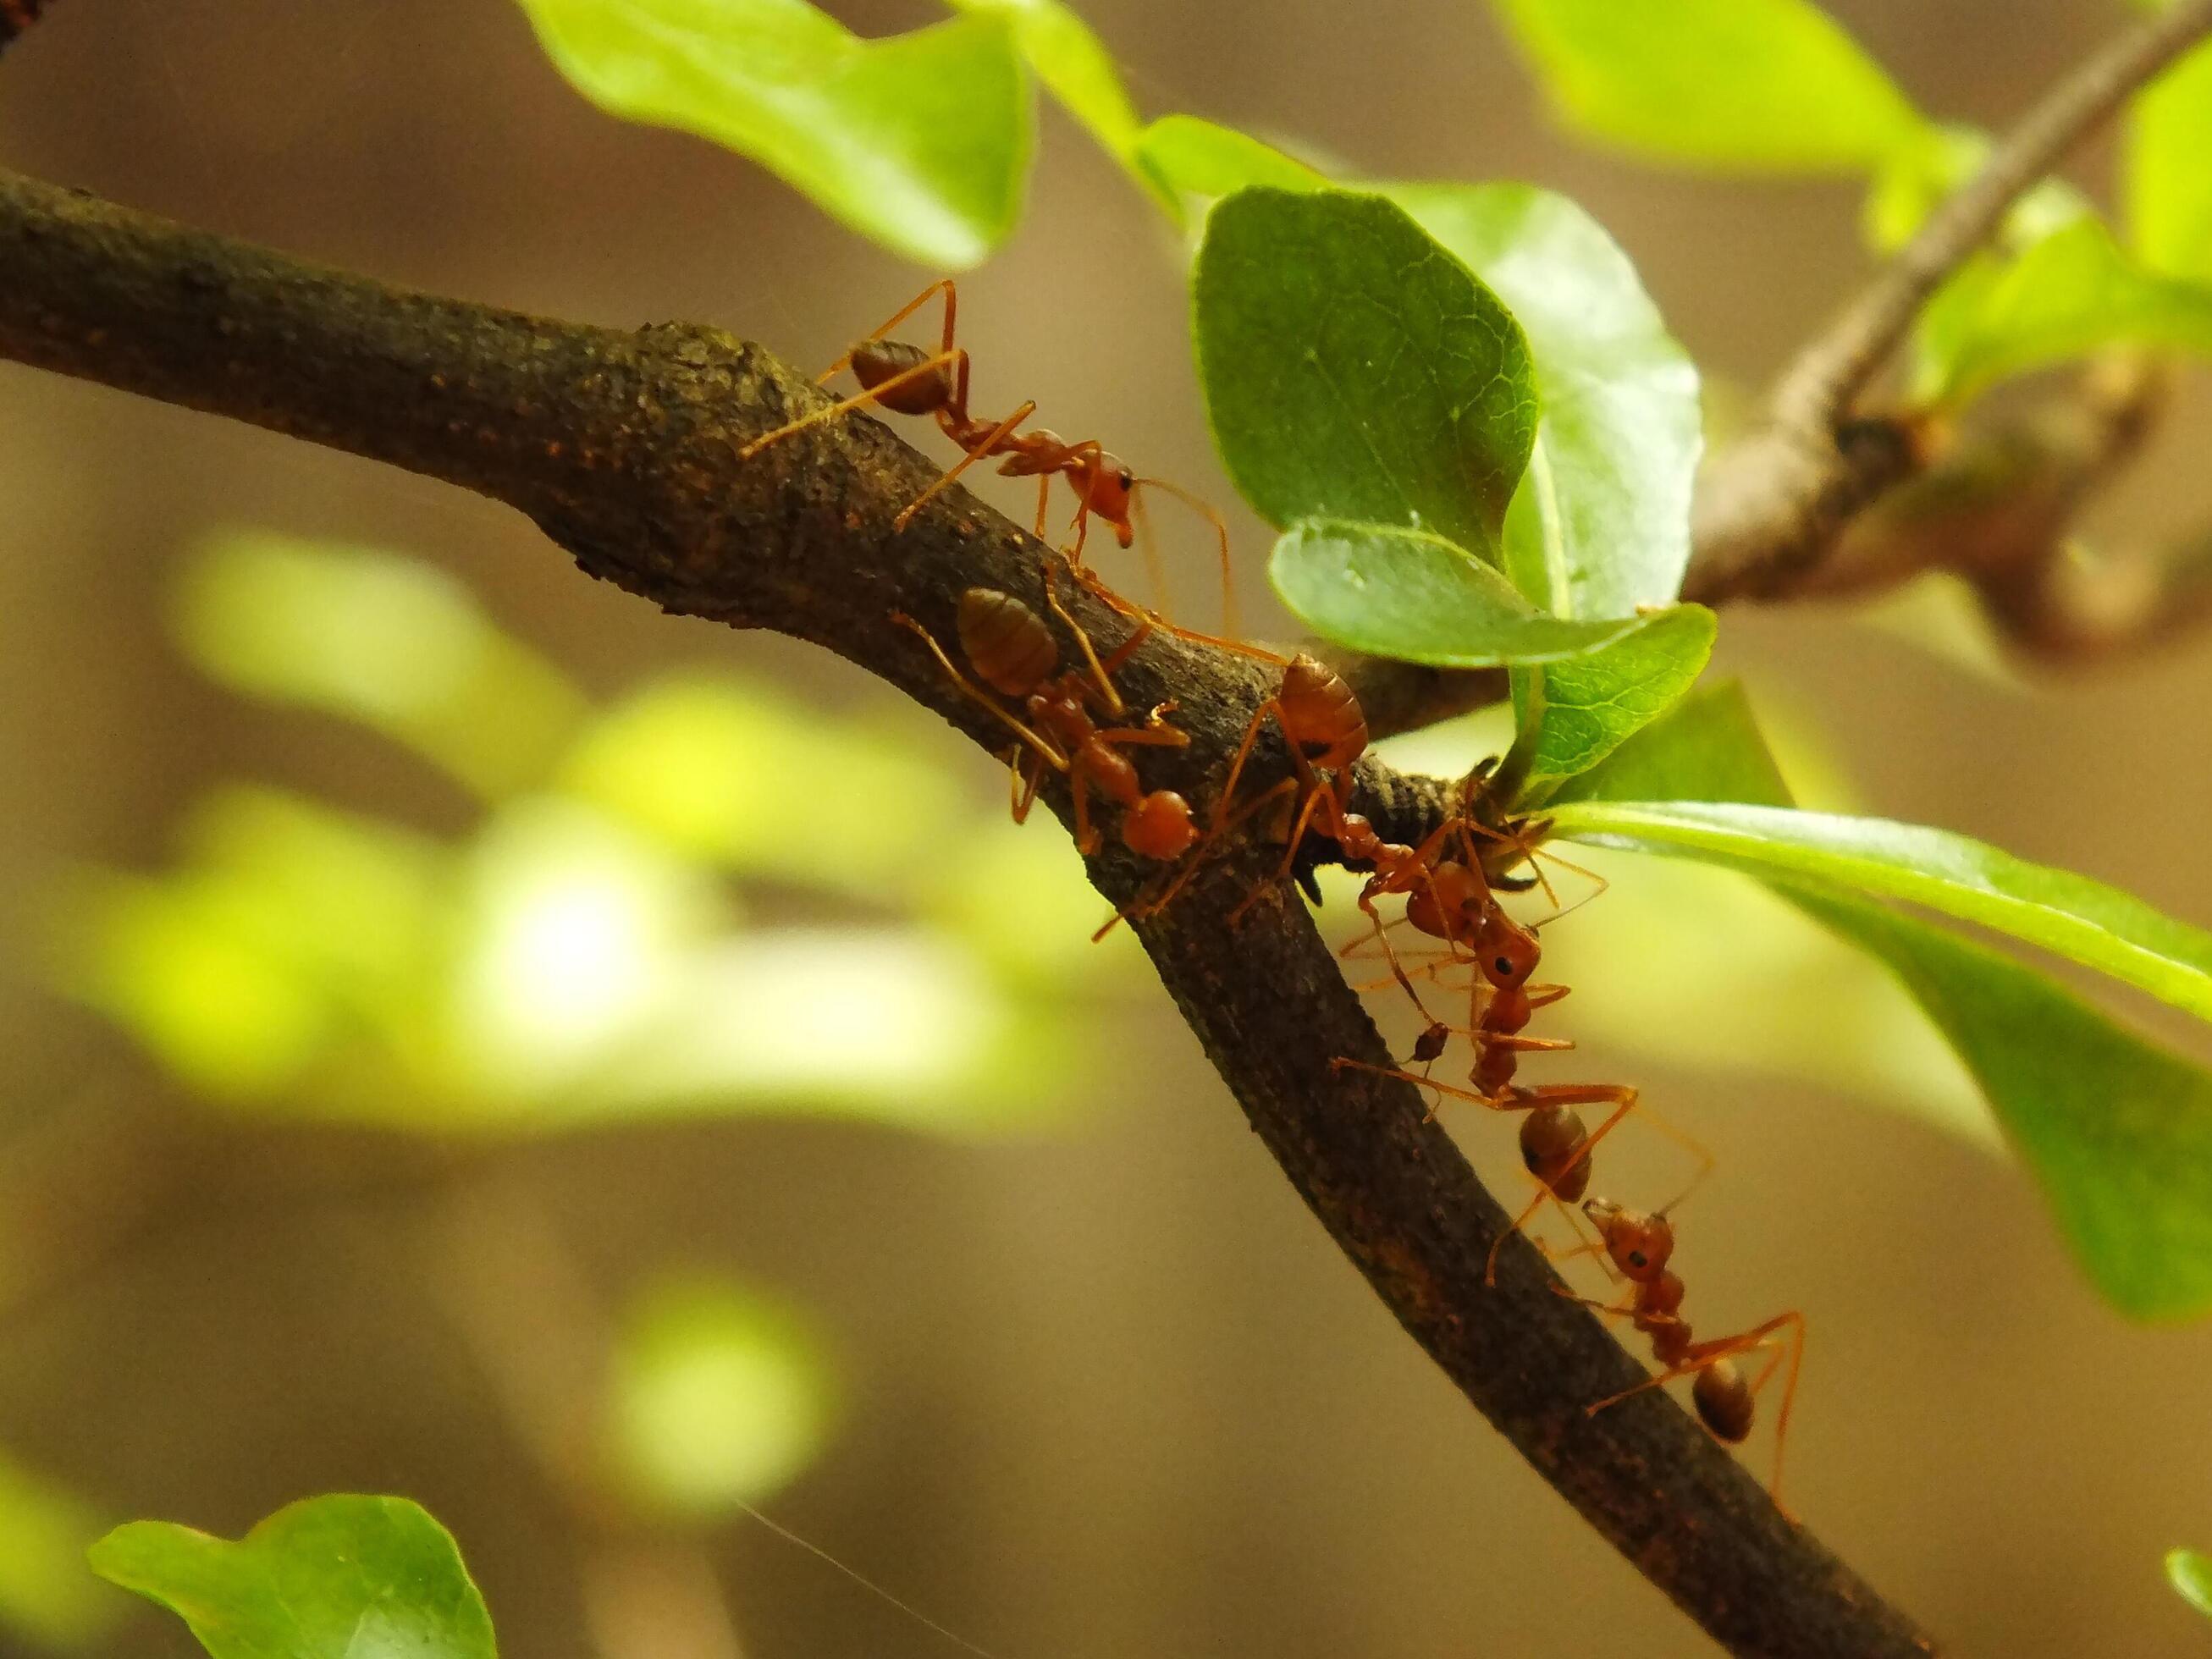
x=867, y=1583
x=1205, y=511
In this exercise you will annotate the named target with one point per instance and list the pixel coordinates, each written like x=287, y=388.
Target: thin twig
x=624, y=447
x=1772, y=506
x=1818, y=387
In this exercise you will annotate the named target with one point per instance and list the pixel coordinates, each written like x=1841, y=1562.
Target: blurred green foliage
x=587, y=950
x=45, y=1593
x=582, y=953
x=718, y=1398
x=2189, y=1572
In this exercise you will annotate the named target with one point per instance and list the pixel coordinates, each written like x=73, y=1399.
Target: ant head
x=1159, y=826
x=1508, y=952
x=1108, y=492
x=1639, y=1244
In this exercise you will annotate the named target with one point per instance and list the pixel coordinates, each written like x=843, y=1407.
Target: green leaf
x=339, y=1577
x=1601, y=522
x=720, y=1398
x=1196, y=157
x=1403, y=594
x=1736, y=86
x=1076, y=68
x=2189, y=1572
x=1355, y=370
x=2117, y=1130
x=2072, y=294
x=1588, y=707
x=2167, y=187
x=921, y=140
x=2084, y=920
x=1708, y=748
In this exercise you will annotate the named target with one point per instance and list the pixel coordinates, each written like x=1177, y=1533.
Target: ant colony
x=1476, y=960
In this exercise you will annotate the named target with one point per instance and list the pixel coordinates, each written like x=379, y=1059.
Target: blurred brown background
x=1109, y=1390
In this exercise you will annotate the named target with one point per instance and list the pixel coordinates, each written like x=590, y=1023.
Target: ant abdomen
x=1322, y=715
x=875, y=363
x=1724, y=1400
x=1551, y=1142
x=1007, y=642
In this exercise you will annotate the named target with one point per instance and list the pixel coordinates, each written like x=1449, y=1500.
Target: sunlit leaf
x=386, y=641
x=1355, y=370
x=718, y=1398
x=574, y=936
x=339, y=1577
x=2189, y=1572
x=919, y=140
x=2072, y=294
x=2168, y=186
x=351, y=904
x=890, y=1026
x=1580, y=711
x=2117, y=1129
x=1738, y=86
x=1601, y=523
x=2084, y=920
x=180, y=964
x=45, y=1595
x=1403, y=594
x=1201, y=158
x=714, y=769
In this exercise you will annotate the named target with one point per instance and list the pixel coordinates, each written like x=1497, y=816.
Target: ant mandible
x=1640, y=1246
x=908, y=381
x=1013, y=651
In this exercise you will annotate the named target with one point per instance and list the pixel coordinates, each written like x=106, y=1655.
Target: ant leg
x=1044, y=499
x=944, y=285
x=1025, y=793
x=1162, y=736
x=868, y=395
x=1314, y=798
x=1086, y=835
x=1102, y=673
x=1044, y=750
x=1690, y=1143
x=991, y=442
x=1340, y=1063
x=1620, y=1095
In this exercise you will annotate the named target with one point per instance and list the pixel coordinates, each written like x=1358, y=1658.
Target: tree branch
x=622, y=445
x=1773, y=506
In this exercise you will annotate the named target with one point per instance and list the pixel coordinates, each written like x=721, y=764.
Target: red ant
x=1013, y=651
x=1640, y=1247
x=908, y=381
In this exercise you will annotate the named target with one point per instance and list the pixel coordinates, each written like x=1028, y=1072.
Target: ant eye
x=1127, y=477
x=1504, y=965
x=1636, y=1258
